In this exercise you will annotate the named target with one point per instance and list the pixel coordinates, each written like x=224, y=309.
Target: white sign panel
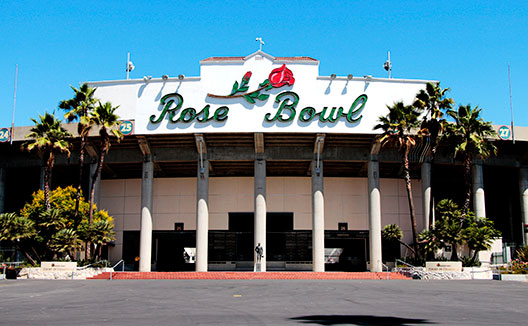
x=256, y=95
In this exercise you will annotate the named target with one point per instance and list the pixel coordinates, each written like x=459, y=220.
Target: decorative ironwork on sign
x=277, y=78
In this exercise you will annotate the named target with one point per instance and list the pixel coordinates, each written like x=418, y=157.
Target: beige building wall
x=174, y=201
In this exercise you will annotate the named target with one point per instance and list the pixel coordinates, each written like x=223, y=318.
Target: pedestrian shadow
x=359, y=320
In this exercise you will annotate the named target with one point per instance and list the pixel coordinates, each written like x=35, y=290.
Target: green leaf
x=243, y=89
x=249, y=98
x=235, y=88
x=263, y=97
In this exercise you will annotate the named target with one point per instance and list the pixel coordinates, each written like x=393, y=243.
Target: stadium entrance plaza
x=263, y=302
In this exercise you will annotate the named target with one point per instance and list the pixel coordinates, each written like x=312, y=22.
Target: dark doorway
x=354, y=254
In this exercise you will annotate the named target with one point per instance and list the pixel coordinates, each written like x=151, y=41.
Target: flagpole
x=511, y=103
x=14, y=105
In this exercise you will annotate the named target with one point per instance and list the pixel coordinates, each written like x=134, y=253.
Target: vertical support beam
x=479, y=203
x=318, y=228
x=260, y=211
x=426, y=194
x=523, y=184
x=202, y=215
x=374, y=215
x=2, y=189
x=145, y=241
x=93, y=167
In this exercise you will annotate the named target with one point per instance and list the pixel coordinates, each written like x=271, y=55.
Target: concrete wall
x=174, y=201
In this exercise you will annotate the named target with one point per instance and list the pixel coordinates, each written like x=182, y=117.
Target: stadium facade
x=263, y=150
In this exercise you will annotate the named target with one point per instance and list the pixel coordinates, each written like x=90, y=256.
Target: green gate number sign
x=504, y=133
x=126, y=127
x=4, y=135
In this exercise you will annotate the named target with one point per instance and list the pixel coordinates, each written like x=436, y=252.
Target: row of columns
x=374, y=212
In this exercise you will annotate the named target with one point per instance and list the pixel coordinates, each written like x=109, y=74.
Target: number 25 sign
x=126, y=127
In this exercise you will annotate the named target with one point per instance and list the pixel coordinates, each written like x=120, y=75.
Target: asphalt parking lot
x=263, y=302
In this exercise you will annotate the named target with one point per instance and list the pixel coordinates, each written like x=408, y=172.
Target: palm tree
x=104, y=117
x=434, y=102
x=78, y=108
x=48, y=138
x=470, y=134
x=397, y=126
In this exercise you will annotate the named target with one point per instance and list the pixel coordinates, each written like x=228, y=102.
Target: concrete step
x=250, y=276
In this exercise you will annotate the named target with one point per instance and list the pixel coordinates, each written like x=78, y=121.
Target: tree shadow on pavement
x=359, y=320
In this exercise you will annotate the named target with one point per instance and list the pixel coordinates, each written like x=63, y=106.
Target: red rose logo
x=281, y=76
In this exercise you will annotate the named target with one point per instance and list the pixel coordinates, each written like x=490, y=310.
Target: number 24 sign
x=126, y=127
x=5, y=134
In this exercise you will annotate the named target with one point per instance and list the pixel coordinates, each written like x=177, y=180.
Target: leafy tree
x=470, y=134
x=48, y=138
x=57, y=231
x=16, y=230
x=397, y=126
x=393, y=233
x=478, y=234
x=78, y=109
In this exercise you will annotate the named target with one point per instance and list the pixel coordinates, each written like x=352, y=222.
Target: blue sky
x=466, y=45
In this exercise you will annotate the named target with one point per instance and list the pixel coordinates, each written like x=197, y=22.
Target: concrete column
x=523, y=184
x=145, y=240
x=318, y=228
x=426, y=193
x=479, y=203
x=374, y=215
x=2, y=189
x=202, y=216
x=260, y=211
x=93, y=167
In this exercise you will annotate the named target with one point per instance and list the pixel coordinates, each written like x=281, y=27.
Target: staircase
x=250, y=276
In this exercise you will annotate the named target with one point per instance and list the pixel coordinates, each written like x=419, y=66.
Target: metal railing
x=387, y=269
x=122, y=262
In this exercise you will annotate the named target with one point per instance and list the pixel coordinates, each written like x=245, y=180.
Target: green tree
x=433, y=101
x=397, y=128
x=108, y=122
x=478, y=234
x=448, y=226
x=78, y=109
x=18, y=230
x=58, y=231
x=393, y=233
x=470, y=134
x=48, y=138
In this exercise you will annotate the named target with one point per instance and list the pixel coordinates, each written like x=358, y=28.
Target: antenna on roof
x=388, y=65
x=130, y=66
x=14, y=105
x=261, y=42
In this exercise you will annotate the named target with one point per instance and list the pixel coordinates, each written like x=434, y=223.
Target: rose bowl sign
x=258, y=93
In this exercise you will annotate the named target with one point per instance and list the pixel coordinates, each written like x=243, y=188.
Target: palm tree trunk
x=408, y=186
x=95, y=176
x=79, y=185
x=454, y=255
x=26, y=253
x=47, y=180
x=467, y=179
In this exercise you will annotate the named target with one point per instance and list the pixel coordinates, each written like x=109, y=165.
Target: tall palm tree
x=470, y=133
x=48, y=138
x=78, y=109
x=434, y=102
x=397, y=126
x=104, y=117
